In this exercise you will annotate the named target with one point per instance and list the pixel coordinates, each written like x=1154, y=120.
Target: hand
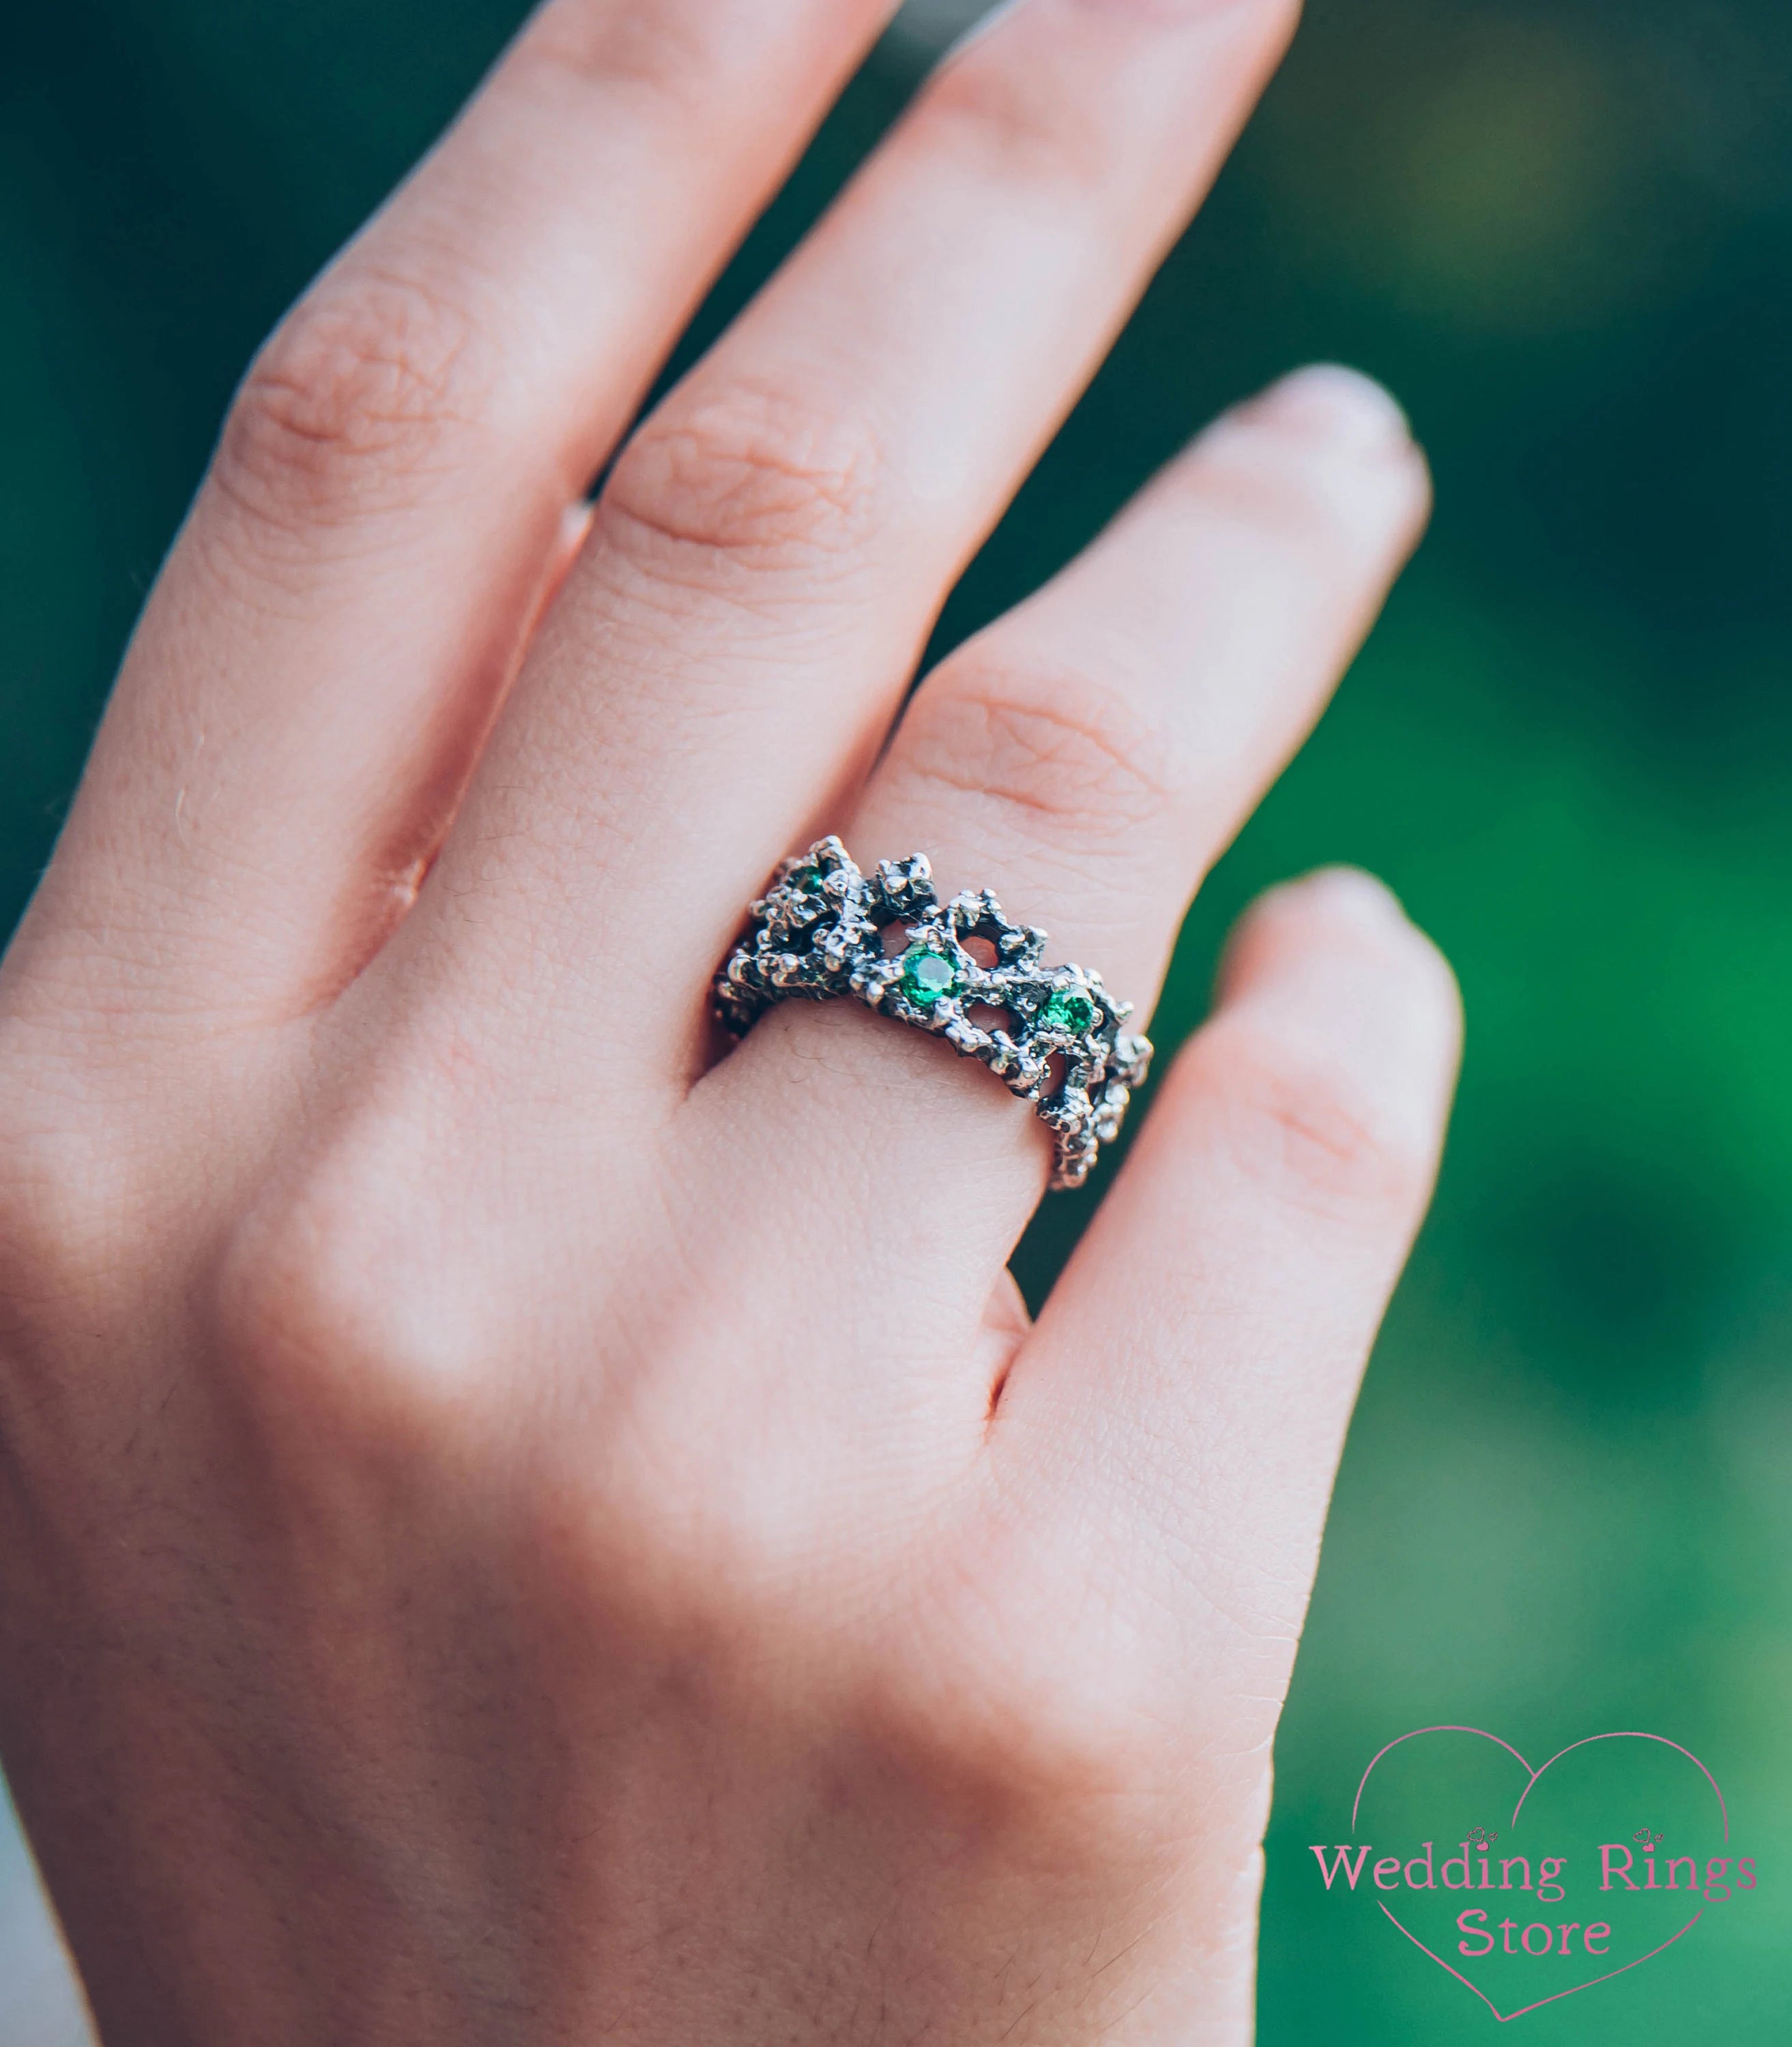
x=514, y=1526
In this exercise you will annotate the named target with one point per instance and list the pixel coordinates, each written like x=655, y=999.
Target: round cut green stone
x=927, y=976
x=812, y=881
x=1068, y=1011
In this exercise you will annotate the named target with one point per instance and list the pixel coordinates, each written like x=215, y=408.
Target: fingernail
x=1349, y=892
x=1342, y=406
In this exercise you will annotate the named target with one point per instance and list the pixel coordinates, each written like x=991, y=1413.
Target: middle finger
x=769, y=555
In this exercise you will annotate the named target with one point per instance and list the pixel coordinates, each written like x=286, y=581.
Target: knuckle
x=77, y=1223
x=1010, y=118
x=1049, y=1722
x=68, y=1230
x=351, y=401
x=1297, y=1120
x=747, y=478
x=1026, y=124
x=1279, y=484
x=1074, y=1741
x=339, y=1328
x=1047, y=1748
x=1271, y=491
x=1076, y=754
x=669, y=52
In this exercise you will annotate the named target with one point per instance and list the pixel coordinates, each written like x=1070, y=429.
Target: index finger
x=321, y=656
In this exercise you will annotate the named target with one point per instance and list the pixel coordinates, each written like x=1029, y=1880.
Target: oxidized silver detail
x=824, y=930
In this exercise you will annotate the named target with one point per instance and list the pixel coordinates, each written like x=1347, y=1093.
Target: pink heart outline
x=1630, y=1733
x=1505, y=2016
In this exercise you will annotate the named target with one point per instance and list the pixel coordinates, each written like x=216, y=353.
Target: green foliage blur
x=1562, y=231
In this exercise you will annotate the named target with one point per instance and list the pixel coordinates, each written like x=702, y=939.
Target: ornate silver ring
x=960, y=970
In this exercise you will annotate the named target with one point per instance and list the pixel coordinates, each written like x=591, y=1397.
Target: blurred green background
x=1562, y=232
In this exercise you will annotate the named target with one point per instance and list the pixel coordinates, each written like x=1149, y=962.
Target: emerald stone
x=927, y=976
x=1068, y=1011
x=812, y=881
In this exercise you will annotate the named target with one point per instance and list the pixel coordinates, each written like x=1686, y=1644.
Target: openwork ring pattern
x=960, y=970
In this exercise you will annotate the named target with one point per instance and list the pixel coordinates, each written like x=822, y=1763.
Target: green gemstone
x=1068, y=1011
x=812, y=881
x=927, y=976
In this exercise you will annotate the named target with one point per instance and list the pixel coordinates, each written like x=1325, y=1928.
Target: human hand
x=513, y=1526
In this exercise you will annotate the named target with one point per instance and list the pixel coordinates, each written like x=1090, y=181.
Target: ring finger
x=1087, y=757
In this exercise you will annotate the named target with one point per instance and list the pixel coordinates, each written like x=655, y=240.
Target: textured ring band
x=824, y=930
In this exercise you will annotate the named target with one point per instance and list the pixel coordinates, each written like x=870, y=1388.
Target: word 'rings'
x=959, y=969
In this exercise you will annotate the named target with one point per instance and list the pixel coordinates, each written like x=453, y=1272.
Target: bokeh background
x=1562, y=230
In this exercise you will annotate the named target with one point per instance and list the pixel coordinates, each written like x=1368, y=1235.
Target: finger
x=1185, y=1393
x=1087, y=758
x=773, y=544
x=325, y=648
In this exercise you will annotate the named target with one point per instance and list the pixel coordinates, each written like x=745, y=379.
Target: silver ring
x=824, y=930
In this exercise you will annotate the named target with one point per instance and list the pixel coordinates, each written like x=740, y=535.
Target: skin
x=515, y=1526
